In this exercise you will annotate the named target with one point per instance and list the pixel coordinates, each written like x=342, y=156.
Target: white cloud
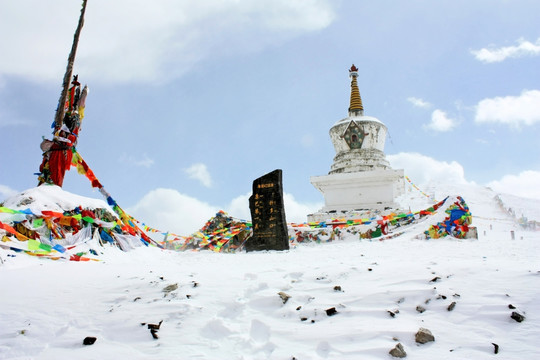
x=169, y=210
x=512, y=110
x=143, y=160
x=419, y=102
x=239, y=207
x=525, y=184
x=297, y=212
x=440, y=121
x=200, y=172
x=5, y=192
x=422, y=169
x=493, y=54
x=142, y=41
x=482, y=141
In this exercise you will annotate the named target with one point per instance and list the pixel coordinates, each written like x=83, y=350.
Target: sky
x=191, y=101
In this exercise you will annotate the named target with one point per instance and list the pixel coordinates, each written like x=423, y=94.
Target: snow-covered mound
x=346, y=299
x=53, y=198
x=49, y=222
x=521, y=208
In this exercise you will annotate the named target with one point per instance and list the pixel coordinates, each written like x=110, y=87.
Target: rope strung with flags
x=128, y=225
x=417, y=188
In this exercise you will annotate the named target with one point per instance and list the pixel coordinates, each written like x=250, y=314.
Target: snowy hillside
x=346, y=299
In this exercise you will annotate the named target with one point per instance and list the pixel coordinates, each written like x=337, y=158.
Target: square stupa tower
x=360, y=178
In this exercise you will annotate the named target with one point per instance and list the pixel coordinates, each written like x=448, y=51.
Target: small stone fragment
x=420, y=309
x=332, y=311
x=393, y=313
x=451, y=306
x=517, y=316
x=337, y=288
x=496, y=348
x=137, y=298
x=155, y=326
x=303, y=318
x=89, y=340
x=298, y=308
x=424, y=336
x=284, y=297
x=510, y=306
x=398, y=351
x=154, y=333
x=167, y=289
x=435, y=279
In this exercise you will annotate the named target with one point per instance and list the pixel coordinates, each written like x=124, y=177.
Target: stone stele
x=268, y=214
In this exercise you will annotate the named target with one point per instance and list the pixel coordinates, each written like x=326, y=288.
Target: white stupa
x=360, y=179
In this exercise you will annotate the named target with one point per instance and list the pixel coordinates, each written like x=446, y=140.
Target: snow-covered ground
x=226, y=306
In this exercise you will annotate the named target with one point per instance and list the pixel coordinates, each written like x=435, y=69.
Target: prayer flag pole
x=69, y=71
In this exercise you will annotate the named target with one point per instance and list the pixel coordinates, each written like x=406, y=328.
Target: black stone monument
x=268, y=214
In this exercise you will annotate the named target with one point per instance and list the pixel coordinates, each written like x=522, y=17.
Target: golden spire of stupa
x=356, y=107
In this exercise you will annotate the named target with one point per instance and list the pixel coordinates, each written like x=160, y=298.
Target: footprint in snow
x=260, y=332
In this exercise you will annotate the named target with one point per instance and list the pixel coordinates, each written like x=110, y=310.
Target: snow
x=52, y=198
x=226, y=306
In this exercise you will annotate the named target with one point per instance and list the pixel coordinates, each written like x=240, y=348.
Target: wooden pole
x=69, y=71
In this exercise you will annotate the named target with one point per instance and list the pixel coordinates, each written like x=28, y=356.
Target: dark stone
x=337, y=288
x=332, y=311
x=435, y=279
x=398, y=351
x=424, y=336
x=420, y=309
x=268, y=214
x=510, y=306
x=452, y=306
x=89, y=340
x=517, y=316
x=154, y=333
x=155, y=326
x=496, y=348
